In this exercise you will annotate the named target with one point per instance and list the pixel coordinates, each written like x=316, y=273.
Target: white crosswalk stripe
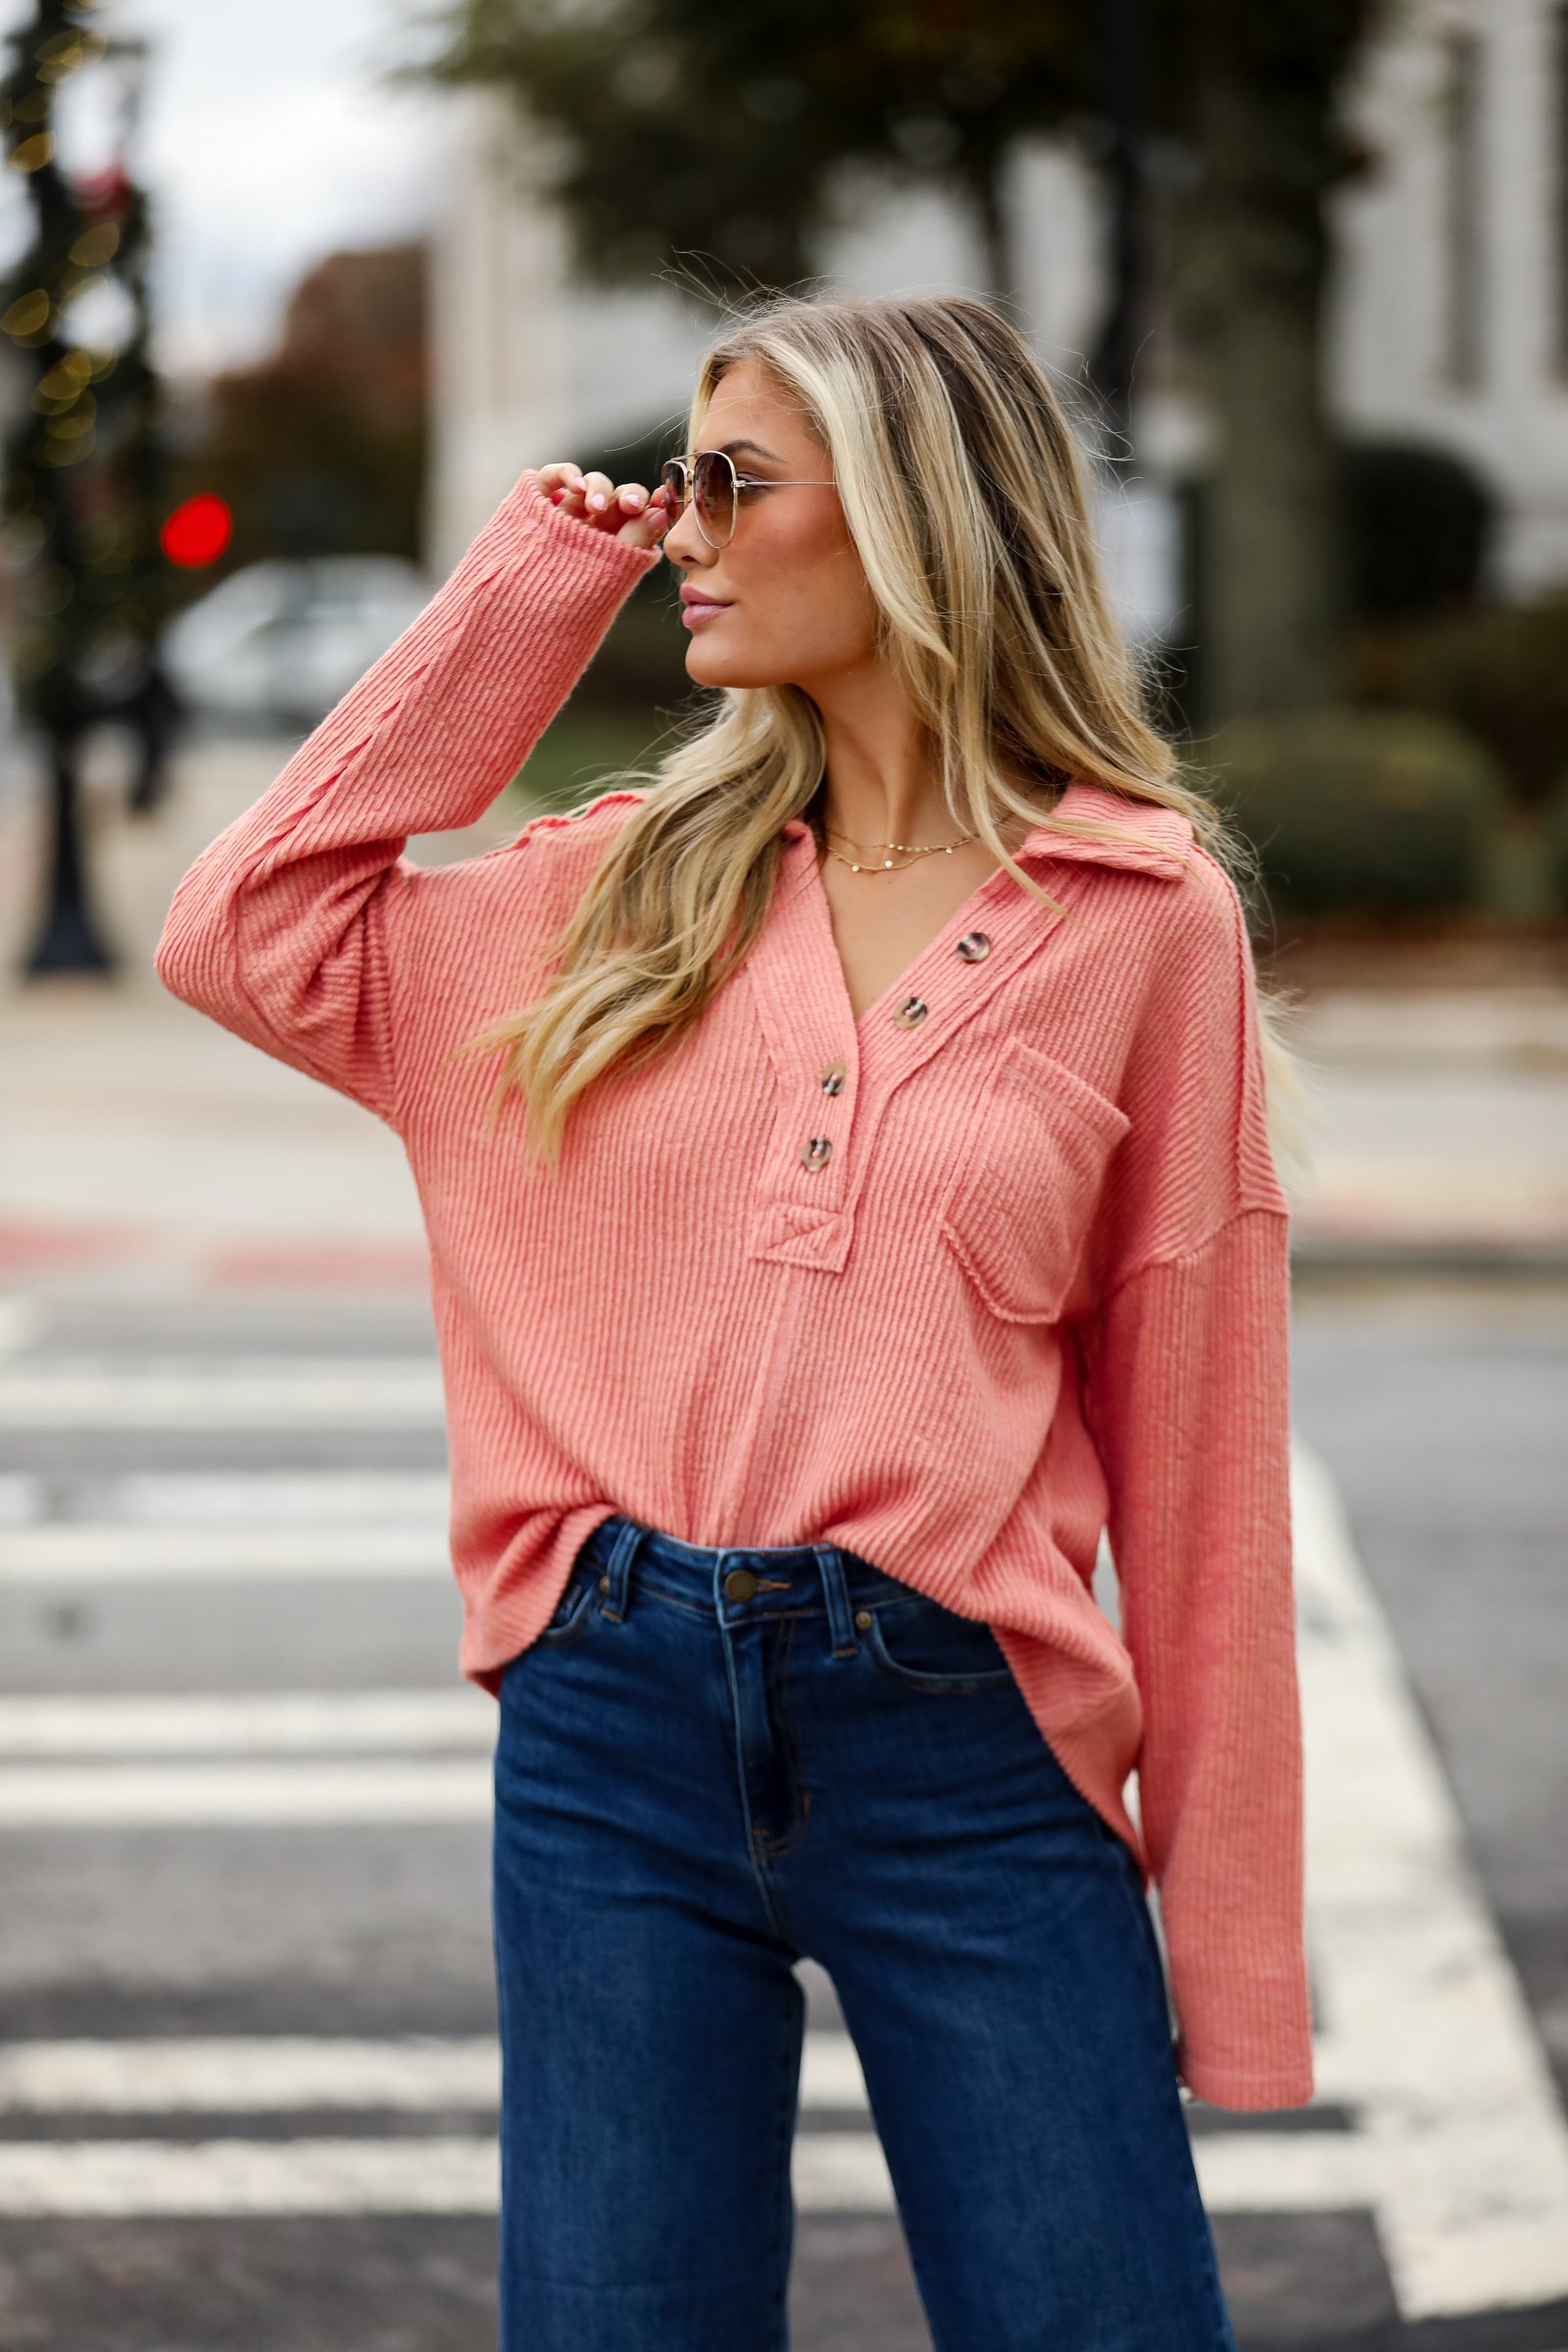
x=266, y=2074
x=91, y=1552
x=248, y=1723
x=128, y=1797
x=1425, y=2044
x=284, y=1498
x=833, y=2171
x=213, y=1525
x=22, y=1498
x=262, y=1392
x=1426, y=2026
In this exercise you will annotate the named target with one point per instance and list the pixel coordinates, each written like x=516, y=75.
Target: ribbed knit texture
x=1039, y=1285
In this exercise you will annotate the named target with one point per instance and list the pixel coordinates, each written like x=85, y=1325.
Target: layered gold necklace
x=913, y=850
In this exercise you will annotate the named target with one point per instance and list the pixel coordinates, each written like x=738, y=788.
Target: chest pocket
x=1022, y=1198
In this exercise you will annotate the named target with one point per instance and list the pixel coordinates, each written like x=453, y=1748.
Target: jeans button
x=740, y=1584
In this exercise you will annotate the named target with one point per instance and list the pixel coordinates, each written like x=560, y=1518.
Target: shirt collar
x=1144, y=838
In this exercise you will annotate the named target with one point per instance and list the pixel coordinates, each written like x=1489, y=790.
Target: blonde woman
x=844, y=1156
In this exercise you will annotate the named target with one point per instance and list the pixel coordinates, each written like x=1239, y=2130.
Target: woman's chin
x=727, y=666
x=706, y=667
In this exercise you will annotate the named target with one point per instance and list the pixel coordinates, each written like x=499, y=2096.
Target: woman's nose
x=684, y=542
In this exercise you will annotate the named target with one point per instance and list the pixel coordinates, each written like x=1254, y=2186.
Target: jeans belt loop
x=617, y=1575
x=836, y=1592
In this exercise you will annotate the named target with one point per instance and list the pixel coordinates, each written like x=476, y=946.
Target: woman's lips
x=694, y=615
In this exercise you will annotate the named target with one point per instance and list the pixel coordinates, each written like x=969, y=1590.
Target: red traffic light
x=197, y=531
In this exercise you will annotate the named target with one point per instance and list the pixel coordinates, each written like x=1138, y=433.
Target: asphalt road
x=245, y=1998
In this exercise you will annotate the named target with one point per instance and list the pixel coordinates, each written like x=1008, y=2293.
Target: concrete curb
x=1523, y=1261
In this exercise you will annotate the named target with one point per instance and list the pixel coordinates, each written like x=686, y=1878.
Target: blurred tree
x=735, y=135
x=84, y=463
x=1256, y=90
x=721, y=131
x=320, y=447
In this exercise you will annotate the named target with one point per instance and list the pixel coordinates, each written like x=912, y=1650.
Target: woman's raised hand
x=630, y=511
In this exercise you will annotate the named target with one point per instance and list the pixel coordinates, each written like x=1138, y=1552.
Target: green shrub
x=1500, y=672
x=1376, y=812
x=1554, y=841
x=579, y=754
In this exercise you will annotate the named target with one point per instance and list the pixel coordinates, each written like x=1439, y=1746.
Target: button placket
x=837, y=1076
x=893, y=1050
x=818, y=1150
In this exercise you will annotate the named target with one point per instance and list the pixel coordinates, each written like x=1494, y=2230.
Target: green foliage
x=1554, y=841
x=1502, y=673
x=1376, y=812
x=579, y=754
x=715, y=132
x=719, y=133
x=640, y=667
x=714, y=148
x=82, y=477
x=320, y=446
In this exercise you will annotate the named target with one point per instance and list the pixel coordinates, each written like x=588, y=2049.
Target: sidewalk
x=147, y=1150
x=1438, y=1128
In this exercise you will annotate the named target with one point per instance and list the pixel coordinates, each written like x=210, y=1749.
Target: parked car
x=276, y=644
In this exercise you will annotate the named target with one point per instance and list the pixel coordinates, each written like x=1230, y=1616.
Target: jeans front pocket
x=573, y=1610
x=920, y=1643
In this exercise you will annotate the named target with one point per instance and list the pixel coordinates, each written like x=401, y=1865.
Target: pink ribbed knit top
x=1036, y=1286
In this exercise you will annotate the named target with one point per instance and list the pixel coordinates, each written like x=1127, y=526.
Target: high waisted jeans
x=712, y=1762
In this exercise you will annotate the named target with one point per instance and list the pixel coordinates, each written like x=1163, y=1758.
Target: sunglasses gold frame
x=680, y=477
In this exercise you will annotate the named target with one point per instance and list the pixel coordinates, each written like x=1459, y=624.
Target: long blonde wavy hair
x=966, y=495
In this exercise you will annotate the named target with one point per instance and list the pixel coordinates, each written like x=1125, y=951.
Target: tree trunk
x=1268, y=591
x=987, y=209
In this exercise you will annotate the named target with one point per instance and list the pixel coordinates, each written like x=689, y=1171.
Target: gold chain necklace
x=916, y=849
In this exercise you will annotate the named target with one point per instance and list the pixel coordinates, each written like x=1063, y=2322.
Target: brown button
x=975, y=946
x=833, y=1077
x=603, y=1584
x=816, y=1151
x=863, y=1618
x=910, y=1011
x=740, y=1584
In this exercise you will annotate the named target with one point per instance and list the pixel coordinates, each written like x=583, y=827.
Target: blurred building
x=1451, y=318
x=320, y=446
x=1449, y=322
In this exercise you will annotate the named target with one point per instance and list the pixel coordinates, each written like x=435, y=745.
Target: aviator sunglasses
x=711, y=481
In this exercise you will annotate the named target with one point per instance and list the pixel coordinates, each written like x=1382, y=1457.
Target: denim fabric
x=695, y=1785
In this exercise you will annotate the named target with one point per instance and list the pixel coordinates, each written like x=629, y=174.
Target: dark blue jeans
x=712, y=1762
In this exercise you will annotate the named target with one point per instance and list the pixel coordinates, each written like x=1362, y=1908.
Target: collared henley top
x=1036, y=1287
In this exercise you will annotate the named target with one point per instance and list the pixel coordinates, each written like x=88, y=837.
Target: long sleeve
x=1187, y=1367
x=289, y=928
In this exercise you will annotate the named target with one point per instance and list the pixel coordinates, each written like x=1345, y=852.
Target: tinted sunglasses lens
x=673, y=479
x=713, y=489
